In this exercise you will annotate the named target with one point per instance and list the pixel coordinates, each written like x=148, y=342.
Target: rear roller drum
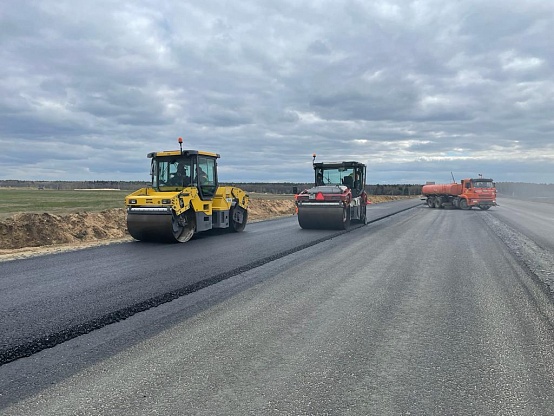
x=305, y=221
x=324, y=218
x=239, y=217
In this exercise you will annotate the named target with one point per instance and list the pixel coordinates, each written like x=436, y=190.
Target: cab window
x=206, y=176
x=171, y=173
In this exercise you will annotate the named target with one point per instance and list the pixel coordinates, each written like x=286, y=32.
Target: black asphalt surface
x=50, y=299
x=426, y=312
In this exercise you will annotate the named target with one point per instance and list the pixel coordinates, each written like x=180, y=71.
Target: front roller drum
x=161, y=227
x=323, y=217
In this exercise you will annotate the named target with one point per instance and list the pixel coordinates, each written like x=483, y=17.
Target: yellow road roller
x=184, y=198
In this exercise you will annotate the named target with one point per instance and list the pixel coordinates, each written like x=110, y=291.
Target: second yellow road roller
x=184, y=198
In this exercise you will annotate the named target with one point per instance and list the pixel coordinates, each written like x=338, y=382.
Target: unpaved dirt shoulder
x=25, y=235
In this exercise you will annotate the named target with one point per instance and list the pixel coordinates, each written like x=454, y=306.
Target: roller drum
x=322, y=217
x=148, y=227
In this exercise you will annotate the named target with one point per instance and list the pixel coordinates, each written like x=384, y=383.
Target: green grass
x=16, y=200
x=19, y=200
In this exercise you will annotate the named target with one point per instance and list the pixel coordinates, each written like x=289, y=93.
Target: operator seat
x=348, y=181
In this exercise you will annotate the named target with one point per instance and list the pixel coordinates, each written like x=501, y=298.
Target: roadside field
x=38, y=201
x=17, y=200
x=32, y=220
x=29, y=200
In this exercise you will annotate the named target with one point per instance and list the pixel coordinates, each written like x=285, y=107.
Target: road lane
x=427, y=312
x=534, y=219
x=49, y=299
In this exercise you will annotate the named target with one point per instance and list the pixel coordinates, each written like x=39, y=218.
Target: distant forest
x=259, y=187
x=514, y=189
x=524, y=190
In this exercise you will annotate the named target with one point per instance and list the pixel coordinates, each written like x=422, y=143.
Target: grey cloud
x=412, y=87
x=318, y=47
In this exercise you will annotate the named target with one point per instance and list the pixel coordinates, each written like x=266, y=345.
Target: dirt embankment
x=26, y=234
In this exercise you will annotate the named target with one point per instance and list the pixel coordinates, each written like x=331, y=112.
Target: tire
x=235, y=225
x=431, y=202
x=183, y=226
x=463, y=204
x=363, y=216
x=438, y=203
x=484, y=208
x=345, y=218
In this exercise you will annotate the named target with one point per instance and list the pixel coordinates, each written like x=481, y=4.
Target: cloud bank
x=415, y=89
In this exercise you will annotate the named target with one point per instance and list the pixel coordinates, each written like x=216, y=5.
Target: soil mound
x=38, y=230
x=36, y=233
x=35, y=230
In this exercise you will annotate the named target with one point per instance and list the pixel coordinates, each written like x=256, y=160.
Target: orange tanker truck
x=466, y=195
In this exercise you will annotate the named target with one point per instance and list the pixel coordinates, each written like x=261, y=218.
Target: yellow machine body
x=174, y=209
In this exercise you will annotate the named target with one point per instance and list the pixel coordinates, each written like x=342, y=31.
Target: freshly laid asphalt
x=50, y=299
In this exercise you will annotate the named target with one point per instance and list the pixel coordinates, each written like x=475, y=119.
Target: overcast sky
x=415, y=89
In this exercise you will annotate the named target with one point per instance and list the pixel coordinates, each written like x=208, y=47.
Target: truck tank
x=452, y=189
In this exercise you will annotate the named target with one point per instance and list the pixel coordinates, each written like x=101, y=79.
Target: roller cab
x=184, y=198
x=337, y=197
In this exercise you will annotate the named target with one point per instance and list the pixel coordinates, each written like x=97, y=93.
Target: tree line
x=525, y=190
x=258, y=187
x=70, y=185
x=514, y=189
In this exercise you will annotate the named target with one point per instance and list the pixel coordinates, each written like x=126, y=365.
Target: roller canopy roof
x=185, y=153
x=333, y=165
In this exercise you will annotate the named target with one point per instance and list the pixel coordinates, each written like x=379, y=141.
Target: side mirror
x=295, y=190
